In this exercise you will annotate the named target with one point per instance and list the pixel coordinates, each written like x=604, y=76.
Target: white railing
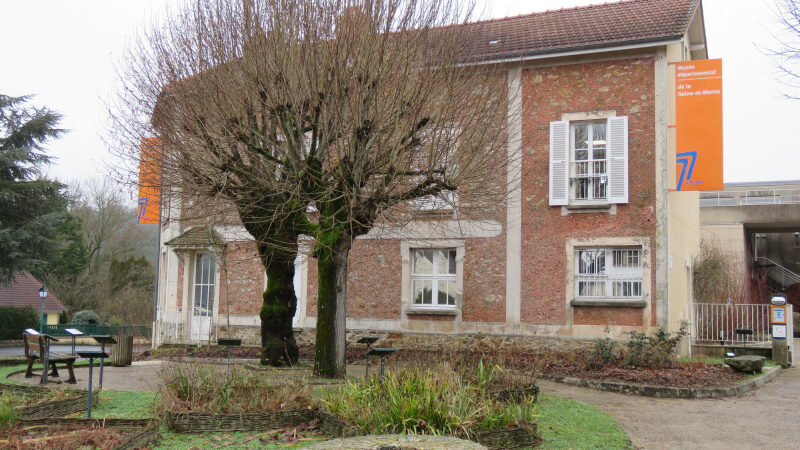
x=751, y=197
x=168, y=327
x=715, y=323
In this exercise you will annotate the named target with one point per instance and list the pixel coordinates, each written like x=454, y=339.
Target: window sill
x=630, y=303
x=587, y=208
x=433, y=310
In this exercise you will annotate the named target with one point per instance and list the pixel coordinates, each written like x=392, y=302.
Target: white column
x=514, y=201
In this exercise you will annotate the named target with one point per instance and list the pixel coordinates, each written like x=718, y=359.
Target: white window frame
x=594, y=178
x=408, y=306
x=439, y=282
x=205, y=280
x=615, y=271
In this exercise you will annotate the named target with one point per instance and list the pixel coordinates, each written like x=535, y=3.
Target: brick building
x=593, y=238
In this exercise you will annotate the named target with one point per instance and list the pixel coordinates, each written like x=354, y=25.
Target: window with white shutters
x=589, y=162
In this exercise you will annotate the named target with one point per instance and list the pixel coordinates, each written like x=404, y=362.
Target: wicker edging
x=58, y=408
x=505, y=395
x=512, y=437
x=85, y=422
x=200, y=422
x=670, y=392
x=142, y=439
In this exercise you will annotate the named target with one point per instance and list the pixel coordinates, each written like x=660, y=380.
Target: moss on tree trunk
x=278, y=347
x=329, y=354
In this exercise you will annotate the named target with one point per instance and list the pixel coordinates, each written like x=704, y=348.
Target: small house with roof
x=23, y=291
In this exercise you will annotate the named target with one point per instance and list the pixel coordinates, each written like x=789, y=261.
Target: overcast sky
x=64, y=53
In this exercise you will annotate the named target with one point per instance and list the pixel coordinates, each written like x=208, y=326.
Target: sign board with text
x=149, y=181
x=699, y=125
x=777, y=314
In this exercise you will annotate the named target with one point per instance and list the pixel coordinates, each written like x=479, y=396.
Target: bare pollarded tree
x=787, y=54
x=319, y=118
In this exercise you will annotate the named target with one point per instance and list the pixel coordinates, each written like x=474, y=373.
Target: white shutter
x=617, y=159
x=559, y=163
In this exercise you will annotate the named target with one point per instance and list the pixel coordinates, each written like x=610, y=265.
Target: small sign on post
x=777, y=319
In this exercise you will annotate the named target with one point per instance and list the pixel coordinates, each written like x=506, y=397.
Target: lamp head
x=42, y=292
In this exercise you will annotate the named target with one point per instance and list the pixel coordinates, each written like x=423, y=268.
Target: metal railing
x=784, y=273
x=715, y=323
x=751, y=197
x=97, y=329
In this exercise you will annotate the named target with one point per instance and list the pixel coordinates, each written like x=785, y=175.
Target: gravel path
x=141, y=376
x=764, y=418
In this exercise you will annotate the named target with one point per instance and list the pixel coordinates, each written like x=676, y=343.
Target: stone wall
x=250, y=335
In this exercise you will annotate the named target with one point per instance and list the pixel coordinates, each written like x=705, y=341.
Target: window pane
x=447, y=262
x=591, y=262
x=451, y=292
x=599, y=137
x=627, y=289
x=422, y=292
x=423, y=262
x=581, y=136
x=591, y=288
x=581, y=155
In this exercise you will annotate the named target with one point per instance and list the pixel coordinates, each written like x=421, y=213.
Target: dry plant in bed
x=197, y=389
x=22, y=398
x=66, y=438
x=438, y=400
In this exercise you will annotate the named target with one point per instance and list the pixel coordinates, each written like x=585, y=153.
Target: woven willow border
x=56, y=409
x=200, y=423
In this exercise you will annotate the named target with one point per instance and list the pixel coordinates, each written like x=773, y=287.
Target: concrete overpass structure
x=758, y=225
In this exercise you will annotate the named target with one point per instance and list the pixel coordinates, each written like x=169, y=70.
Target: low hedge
x=14, y=319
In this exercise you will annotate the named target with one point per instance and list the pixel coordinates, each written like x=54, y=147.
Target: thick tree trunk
x=278, y=347
x=329, y=355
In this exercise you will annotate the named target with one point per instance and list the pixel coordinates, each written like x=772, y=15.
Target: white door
x=203, y=293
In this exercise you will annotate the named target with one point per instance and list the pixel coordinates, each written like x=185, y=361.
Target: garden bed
x=77, y=436
x=35, y=402
x=681, y=375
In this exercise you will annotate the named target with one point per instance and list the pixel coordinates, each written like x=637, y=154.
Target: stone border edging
x=669, y=391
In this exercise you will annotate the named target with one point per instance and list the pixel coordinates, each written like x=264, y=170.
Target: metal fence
x=716, y=323
x=751, y=197
x=97, y=329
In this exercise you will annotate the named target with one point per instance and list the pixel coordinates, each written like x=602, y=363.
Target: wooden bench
x=36, y=347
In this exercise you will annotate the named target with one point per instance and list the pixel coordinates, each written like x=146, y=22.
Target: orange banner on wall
x=699, y=125
x=149, y=181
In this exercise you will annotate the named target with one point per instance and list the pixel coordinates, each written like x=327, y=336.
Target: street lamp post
x=42, y=295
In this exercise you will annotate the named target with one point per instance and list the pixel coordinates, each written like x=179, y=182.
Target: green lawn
x=570, y=424
x=125, y=404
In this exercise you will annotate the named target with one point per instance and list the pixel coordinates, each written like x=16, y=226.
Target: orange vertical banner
x=699, y=125
x=149, y=181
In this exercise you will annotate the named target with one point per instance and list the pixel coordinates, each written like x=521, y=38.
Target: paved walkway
x=765, y=418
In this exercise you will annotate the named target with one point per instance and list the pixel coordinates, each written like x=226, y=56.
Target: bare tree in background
x=787, y=54
x=325, y=119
